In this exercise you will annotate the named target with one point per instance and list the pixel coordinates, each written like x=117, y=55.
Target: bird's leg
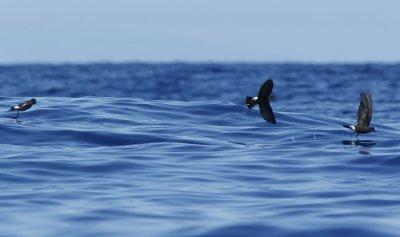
x=351, y=135
x=357, y=136
x=17, y=114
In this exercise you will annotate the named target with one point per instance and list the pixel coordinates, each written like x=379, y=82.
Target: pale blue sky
x=201, y=30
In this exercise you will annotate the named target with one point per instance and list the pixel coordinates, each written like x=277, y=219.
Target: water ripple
x=184, y=157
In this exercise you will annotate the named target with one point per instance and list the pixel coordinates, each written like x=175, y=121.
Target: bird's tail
x=346, y=125
x=250, y=102
x=12, y=109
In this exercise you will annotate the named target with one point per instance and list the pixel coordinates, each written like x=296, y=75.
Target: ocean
x=170, y=149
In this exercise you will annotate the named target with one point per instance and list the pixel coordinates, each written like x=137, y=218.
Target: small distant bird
x=263, y=99
x=364, y=115
x=23, y=106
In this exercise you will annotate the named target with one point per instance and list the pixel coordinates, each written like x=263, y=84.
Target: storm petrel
x=364, y=115
x=23, y=106
x=263, y=99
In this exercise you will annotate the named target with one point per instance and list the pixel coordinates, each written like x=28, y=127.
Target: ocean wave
x=173, y=151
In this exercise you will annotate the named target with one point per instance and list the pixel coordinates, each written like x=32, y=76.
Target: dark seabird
x=263, y=99
x=23, y=106
x=364, y=115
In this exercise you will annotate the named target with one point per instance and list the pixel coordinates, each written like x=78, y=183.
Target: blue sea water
x=171, y=150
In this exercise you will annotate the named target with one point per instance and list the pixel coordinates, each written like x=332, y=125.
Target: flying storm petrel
x=23, y=106
x=263, y=99
x=364, y=115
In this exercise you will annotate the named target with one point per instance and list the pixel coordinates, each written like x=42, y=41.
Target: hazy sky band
x=201, y=30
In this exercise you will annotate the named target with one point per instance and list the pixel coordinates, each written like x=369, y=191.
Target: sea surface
x=141, y=149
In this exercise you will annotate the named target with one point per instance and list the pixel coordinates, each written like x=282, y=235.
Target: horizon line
x=310, y=62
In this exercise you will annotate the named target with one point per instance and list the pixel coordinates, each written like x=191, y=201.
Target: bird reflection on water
x=364, y=145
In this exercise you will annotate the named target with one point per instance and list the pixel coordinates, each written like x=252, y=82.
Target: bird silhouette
x=23, y=106
x=263, y=99
x=364, y=116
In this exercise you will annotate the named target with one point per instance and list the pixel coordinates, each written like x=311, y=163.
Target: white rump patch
x=17, y=107
x=352, y=127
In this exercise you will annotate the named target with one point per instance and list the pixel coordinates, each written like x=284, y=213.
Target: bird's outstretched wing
x=266, y=89
x=365, y=109
x=265, y=108
x=266, y=112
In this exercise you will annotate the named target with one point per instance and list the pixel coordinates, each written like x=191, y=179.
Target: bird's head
x=372, y=129
x=33, y=101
